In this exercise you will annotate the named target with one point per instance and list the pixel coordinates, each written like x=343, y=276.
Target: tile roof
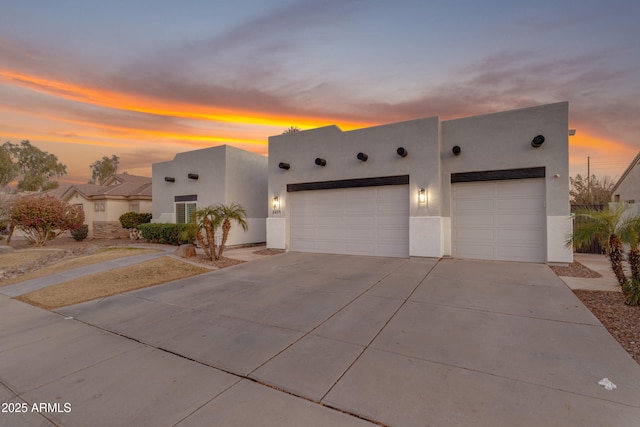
x=121, y=185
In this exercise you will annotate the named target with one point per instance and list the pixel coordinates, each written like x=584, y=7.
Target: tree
x=591, y=191
x=291, y=129
x=43, y=217
x=207, y=221
x=211, y=218
x=606, y=225
x=613, y=227
x=8, y=170
x=228, y=213
x=102, y=169
x=35, y=167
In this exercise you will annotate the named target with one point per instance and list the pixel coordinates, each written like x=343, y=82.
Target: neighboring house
x=201, y=178
x=493, y=187
x=627, y=189
x=104, y=204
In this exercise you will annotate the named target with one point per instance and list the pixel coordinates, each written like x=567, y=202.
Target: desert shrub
x=80, y=233
x=43, y=218
x=171, y=234
x=133, y=219
x=631, y=291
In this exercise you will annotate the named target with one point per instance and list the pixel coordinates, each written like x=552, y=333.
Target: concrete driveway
x=317, y=340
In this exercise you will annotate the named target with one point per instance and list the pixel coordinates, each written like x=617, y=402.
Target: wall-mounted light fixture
x=422, y=196
x=362, y=156
x=193, y=176
x=169, y=179
x=321, y=162
x=537, y=141
x=276, y=204
x=283, y=165
x=456, y=150
x=402, y=152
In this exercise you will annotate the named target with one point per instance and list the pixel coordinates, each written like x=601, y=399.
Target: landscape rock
x=186, y=251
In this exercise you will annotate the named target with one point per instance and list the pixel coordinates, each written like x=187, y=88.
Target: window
x=134, y=207
x=98, y=207
x=184, y=211
x=185, y=206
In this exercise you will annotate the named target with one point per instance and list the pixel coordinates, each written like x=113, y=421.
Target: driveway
x=309, y=339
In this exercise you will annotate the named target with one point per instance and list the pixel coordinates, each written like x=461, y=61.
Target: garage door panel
x=475, y=204
x=521, y=204
x=514, y=188
x=521, y=220
x=501, y=220
x=476, y=234
x=359, y=221
x=479, y=192
x=511, y=253
x=476, y=220
x=520, y=235
x=476, y=251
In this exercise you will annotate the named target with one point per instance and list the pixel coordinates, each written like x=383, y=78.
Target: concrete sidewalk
x=316, y=340
x=598, y=263
x=243, y=254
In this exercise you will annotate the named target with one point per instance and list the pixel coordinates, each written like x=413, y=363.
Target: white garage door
x=500, y=220
x=353, y=221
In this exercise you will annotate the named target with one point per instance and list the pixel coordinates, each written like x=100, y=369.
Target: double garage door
x=352, y=221
x=499, y=220
x=494, y=220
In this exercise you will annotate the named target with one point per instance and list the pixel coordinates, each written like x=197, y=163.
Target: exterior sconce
x=193, y=176
x=537, y=141
x=402, y=152
x=362, y=156
x=283, y=165
x=276, y=204
x=321, y=162
x=169, y=179
x=422, y=196
x=456, y=150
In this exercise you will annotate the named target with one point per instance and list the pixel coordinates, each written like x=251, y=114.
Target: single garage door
x=500, y=220
x=353, y=221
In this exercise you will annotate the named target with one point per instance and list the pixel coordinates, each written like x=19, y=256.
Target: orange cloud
x=141, y=104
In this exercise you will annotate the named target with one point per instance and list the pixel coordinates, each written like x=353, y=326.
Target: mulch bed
x=575, y=269
x=622, y=321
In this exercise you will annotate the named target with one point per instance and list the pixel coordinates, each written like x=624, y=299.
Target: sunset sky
x=146, y=79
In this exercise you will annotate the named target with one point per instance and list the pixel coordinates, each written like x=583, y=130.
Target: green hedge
x=133, y=219
x=80, y=233
x=170, y=234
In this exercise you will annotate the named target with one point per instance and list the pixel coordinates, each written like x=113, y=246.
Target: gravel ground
x=622, y=321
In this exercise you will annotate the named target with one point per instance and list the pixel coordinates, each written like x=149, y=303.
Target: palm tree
x=608, y=226
x=226, y=214
x=207, y=220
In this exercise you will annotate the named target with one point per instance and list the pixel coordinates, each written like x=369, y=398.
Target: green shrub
x=80, y=233
x=169, y=234
x=134, y=219
x=631, y=290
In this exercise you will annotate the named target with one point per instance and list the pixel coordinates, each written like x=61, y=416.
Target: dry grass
x=28, y=257
x=21, y=258
x=101, y=285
